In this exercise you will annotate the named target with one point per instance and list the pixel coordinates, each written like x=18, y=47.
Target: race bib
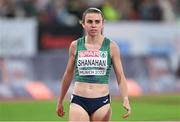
x=92, y=62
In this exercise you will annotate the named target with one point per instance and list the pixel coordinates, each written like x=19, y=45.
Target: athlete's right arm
x=67, y=78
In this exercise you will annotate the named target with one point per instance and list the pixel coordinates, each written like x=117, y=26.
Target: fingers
x=60, y=112
x=128, y=108
x=127, y=114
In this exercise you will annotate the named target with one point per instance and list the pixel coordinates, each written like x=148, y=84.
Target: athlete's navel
x=90, y=87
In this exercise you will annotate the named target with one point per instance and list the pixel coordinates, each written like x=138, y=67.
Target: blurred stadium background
x=35, y=36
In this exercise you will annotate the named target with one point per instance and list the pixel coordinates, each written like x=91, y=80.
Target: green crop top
x=93, y=66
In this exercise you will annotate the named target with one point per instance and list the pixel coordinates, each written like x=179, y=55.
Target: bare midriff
x=90, y=90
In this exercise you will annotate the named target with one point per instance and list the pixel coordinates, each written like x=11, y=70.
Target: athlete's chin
x=93, y=34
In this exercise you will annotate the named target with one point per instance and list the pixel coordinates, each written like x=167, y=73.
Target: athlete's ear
x=103, y=22
x=81, y=22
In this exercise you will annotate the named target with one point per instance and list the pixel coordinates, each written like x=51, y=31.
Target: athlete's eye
x=97, y=21
x=89, y=21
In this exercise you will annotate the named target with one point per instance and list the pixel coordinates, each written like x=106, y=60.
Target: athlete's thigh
x=102, y=114
x=77, y=113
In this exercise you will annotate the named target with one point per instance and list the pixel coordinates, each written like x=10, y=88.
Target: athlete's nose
x=93, y=24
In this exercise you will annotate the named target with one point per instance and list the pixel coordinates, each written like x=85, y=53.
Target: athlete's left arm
x=117, y=65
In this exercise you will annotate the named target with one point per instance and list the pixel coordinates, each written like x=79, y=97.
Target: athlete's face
x=93, y=24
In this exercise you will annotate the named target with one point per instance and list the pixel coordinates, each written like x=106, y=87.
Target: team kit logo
x=92, y=62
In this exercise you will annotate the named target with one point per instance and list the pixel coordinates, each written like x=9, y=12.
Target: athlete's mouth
x=93, y=31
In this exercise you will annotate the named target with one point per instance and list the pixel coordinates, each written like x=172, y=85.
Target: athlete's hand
x=127, y=107
x=60, y=110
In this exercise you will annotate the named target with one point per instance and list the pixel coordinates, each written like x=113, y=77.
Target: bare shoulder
x=114, y=48
x=72, y=48
x=73, y=44
x=113, y=44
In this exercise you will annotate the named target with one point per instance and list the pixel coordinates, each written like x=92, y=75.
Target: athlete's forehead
x=93, y=16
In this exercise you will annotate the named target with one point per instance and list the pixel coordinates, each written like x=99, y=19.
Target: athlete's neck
x=94, y=40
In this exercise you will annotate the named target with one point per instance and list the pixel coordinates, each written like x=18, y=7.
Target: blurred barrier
x=38, y=90
x=134, y=89
x=145, y=38
x=18, y=37
x=145, y=75
x=56, y=36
